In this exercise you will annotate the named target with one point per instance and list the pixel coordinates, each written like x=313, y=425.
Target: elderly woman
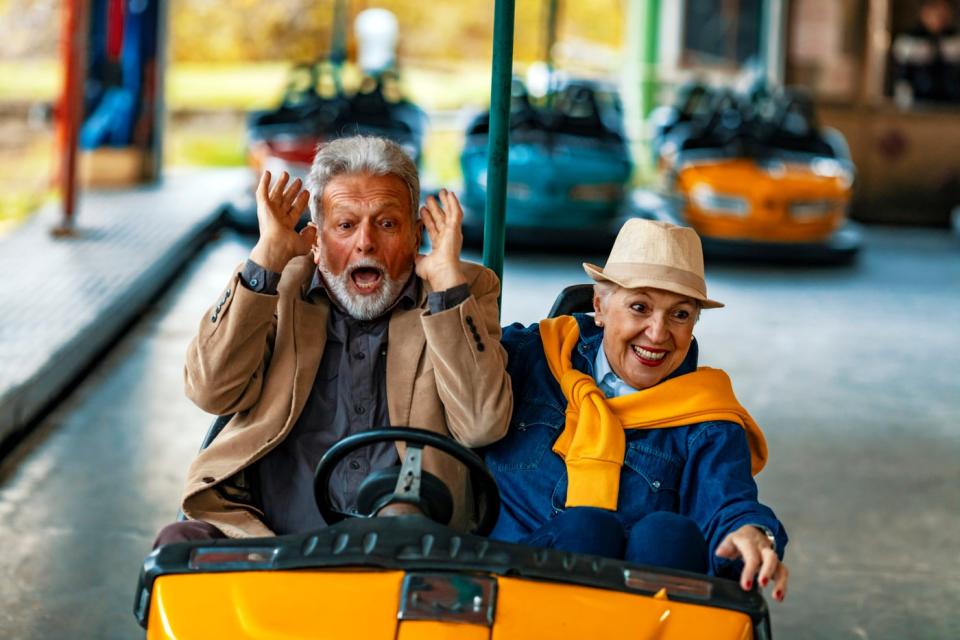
x=620, y=445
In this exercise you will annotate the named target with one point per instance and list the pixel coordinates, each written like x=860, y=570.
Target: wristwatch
x=770, y=536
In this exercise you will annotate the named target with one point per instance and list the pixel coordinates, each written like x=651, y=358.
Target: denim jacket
x=701, y=471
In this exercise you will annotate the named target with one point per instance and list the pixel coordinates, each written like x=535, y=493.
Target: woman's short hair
x=360, y=154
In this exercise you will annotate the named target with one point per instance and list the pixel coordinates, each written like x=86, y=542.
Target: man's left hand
x=759, y=559
x=443, y=220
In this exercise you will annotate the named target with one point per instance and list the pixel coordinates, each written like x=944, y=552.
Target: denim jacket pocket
x=533, y=430
x=649, y=481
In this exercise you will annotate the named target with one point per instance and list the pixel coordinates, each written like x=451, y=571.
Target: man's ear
x=316, y=249
x=418, y=237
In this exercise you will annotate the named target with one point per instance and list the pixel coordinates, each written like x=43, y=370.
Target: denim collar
x=591, y=340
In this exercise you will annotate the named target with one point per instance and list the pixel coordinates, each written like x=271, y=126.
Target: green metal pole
x=494, y=229
x=550, y=33
x=650, y=46
x=340, y=25
x=550, y=39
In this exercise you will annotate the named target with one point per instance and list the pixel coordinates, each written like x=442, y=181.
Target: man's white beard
x=360, y=306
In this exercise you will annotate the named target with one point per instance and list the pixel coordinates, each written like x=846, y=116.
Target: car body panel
x=786, y=202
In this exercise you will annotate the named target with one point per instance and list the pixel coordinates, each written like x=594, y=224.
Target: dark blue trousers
x=660, y=539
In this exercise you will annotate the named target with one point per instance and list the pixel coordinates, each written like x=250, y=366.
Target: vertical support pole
x=550, y=33
x=640, y=80
x=773, y=34
x=74, y=56
x=156, y=80
x=650, y=45
x=494, y=228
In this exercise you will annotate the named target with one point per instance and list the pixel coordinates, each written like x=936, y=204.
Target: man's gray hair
x=360, y=154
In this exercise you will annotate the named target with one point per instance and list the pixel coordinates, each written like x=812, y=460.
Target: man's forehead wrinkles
x=368, y=200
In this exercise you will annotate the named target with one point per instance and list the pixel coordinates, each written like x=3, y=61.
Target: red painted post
x=74, y=55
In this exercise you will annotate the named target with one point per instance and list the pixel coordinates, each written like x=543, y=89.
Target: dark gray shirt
x=349, y=395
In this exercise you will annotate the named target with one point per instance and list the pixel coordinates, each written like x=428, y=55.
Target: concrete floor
x=852, y=372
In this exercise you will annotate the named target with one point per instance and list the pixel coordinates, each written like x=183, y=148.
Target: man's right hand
x=278, y=210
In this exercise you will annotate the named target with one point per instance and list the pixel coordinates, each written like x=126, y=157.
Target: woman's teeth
x=649, y=355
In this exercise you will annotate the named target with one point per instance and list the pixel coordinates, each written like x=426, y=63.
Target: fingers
x=768, y=566
x=727, y=549
x=292, y=192
x=300, y=204
x=780, y=578
x=264, y=187
x=437, y=213
x=751, y=562
x=427, y=217
x=309, y=233
x=451, y=205
x=276, y=193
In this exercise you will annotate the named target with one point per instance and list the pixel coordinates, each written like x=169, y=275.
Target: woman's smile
x=649, y=356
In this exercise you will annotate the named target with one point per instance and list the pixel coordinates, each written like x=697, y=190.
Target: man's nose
x=365, y=238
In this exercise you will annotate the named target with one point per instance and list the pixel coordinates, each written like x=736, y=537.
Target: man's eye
x=389, y=224
x=344, y=225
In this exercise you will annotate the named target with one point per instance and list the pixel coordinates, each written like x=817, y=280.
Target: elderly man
x=336, y=330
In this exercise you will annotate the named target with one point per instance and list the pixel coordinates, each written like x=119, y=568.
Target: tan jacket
x=257, y=355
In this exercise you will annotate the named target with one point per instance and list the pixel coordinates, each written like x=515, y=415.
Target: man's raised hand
x=443, y=221
x=279, y=207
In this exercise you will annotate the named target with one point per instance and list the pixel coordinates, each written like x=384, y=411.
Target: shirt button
x=359, y=409
x=254, y=282
x=354, y=465
x=360, y=355
x=656, y=484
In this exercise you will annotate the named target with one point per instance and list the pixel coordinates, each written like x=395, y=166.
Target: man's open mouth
x=366, y=279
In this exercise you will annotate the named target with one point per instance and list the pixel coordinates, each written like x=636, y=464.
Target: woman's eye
x=682, y=314
x=344, y=225
x=639, y=307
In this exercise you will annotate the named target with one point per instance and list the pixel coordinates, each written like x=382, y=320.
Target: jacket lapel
x=406, y=343
x=309, y=339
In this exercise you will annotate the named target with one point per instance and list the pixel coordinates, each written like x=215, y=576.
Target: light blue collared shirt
x=610, y=383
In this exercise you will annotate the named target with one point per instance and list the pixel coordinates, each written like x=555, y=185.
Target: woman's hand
x=759, y=559
x=279, y=208
x=443, y=222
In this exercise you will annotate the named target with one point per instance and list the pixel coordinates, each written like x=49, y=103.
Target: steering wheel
x=408, y=483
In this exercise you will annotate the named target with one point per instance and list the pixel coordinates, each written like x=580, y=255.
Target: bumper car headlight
x=709, y=201
x=603, y=192
x=518, y=190
x=807, y=209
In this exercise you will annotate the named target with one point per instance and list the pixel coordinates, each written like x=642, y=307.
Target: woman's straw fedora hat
x=660, y=255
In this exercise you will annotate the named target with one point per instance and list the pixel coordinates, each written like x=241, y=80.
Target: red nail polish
x=763, y=582
x=778, y=595
x=749, y=584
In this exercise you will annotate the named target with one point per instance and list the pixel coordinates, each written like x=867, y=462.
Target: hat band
x=623, y=270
